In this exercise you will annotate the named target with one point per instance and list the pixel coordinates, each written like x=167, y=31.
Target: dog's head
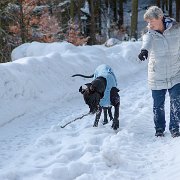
x=91, y=97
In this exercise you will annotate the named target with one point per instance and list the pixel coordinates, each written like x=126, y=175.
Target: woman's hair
x=153, y=12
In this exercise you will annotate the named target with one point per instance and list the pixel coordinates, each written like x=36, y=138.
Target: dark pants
x=158, y=108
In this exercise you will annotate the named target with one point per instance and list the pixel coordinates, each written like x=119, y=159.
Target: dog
x=102, y=94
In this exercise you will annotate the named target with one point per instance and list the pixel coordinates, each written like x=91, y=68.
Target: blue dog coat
x=106, y=72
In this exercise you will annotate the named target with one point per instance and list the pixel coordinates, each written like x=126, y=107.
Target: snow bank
x=41, y=72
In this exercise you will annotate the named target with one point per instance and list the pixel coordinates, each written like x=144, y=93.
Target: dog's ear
x=81, y=90
x=117, y=90
x=88, y=85
x=89, y=88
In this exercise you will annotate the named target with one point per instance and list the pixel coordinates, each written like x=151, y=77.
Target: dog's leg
x=98, y=115
x=115, y=101
x=105, y=115
x=110, y=113
x=115, y=124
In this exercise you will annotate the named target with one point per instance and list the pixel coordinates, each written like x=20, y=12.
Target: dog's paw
x=115, y=125
x=105, y=122
x=95, y=124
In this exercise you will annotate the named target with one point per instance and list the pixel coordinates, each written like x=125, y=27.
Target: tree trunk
x=108, y=22
x=134, y=17
x=92, y=39
x=114, y=10
x=120, y=12
x=72, y=10
x=79, y=6
x=158, y=3
x=105, y=18
x=163, y=4
x=177, y=10
x=170, y=8
x=5, y=46
x=21, y=22
x=98, y=16
x=166, y=4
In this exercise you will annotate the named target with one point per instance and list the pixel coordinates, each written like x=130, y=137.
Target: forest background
x=79, y=22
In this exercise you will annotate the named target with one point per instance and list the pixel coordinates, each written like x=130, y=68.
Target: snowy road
x=132, y=153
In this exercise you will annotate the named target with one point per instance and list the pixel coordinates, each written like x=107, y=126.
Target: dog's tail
x=81, y=75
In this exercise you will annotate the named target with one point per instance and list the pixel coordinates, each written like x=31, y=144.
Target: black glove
x=143, y=55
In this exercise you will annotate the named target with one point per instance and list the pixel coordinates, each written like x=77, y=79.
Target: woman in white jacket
x=161, y=45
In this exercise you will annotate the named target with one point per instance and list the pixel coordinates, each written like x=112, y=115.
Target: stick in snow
x=75, y=119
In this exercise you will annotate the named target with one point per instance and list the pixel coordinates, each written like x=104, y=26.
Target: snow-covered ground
x=38, y=95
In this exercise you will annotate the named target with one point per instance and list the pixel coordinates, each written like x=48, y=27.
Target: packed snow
x=38, y=96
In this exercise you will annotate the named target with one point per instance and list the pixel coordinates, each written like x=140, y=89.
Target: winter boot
x=175, y=133
x=159, y=133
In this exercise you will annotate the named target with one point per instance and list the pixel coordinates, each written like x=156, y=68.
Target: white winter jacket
x=164, y=56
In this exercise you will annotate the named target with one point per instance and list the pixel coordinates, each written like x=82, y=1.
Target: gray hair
x=153, y=12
